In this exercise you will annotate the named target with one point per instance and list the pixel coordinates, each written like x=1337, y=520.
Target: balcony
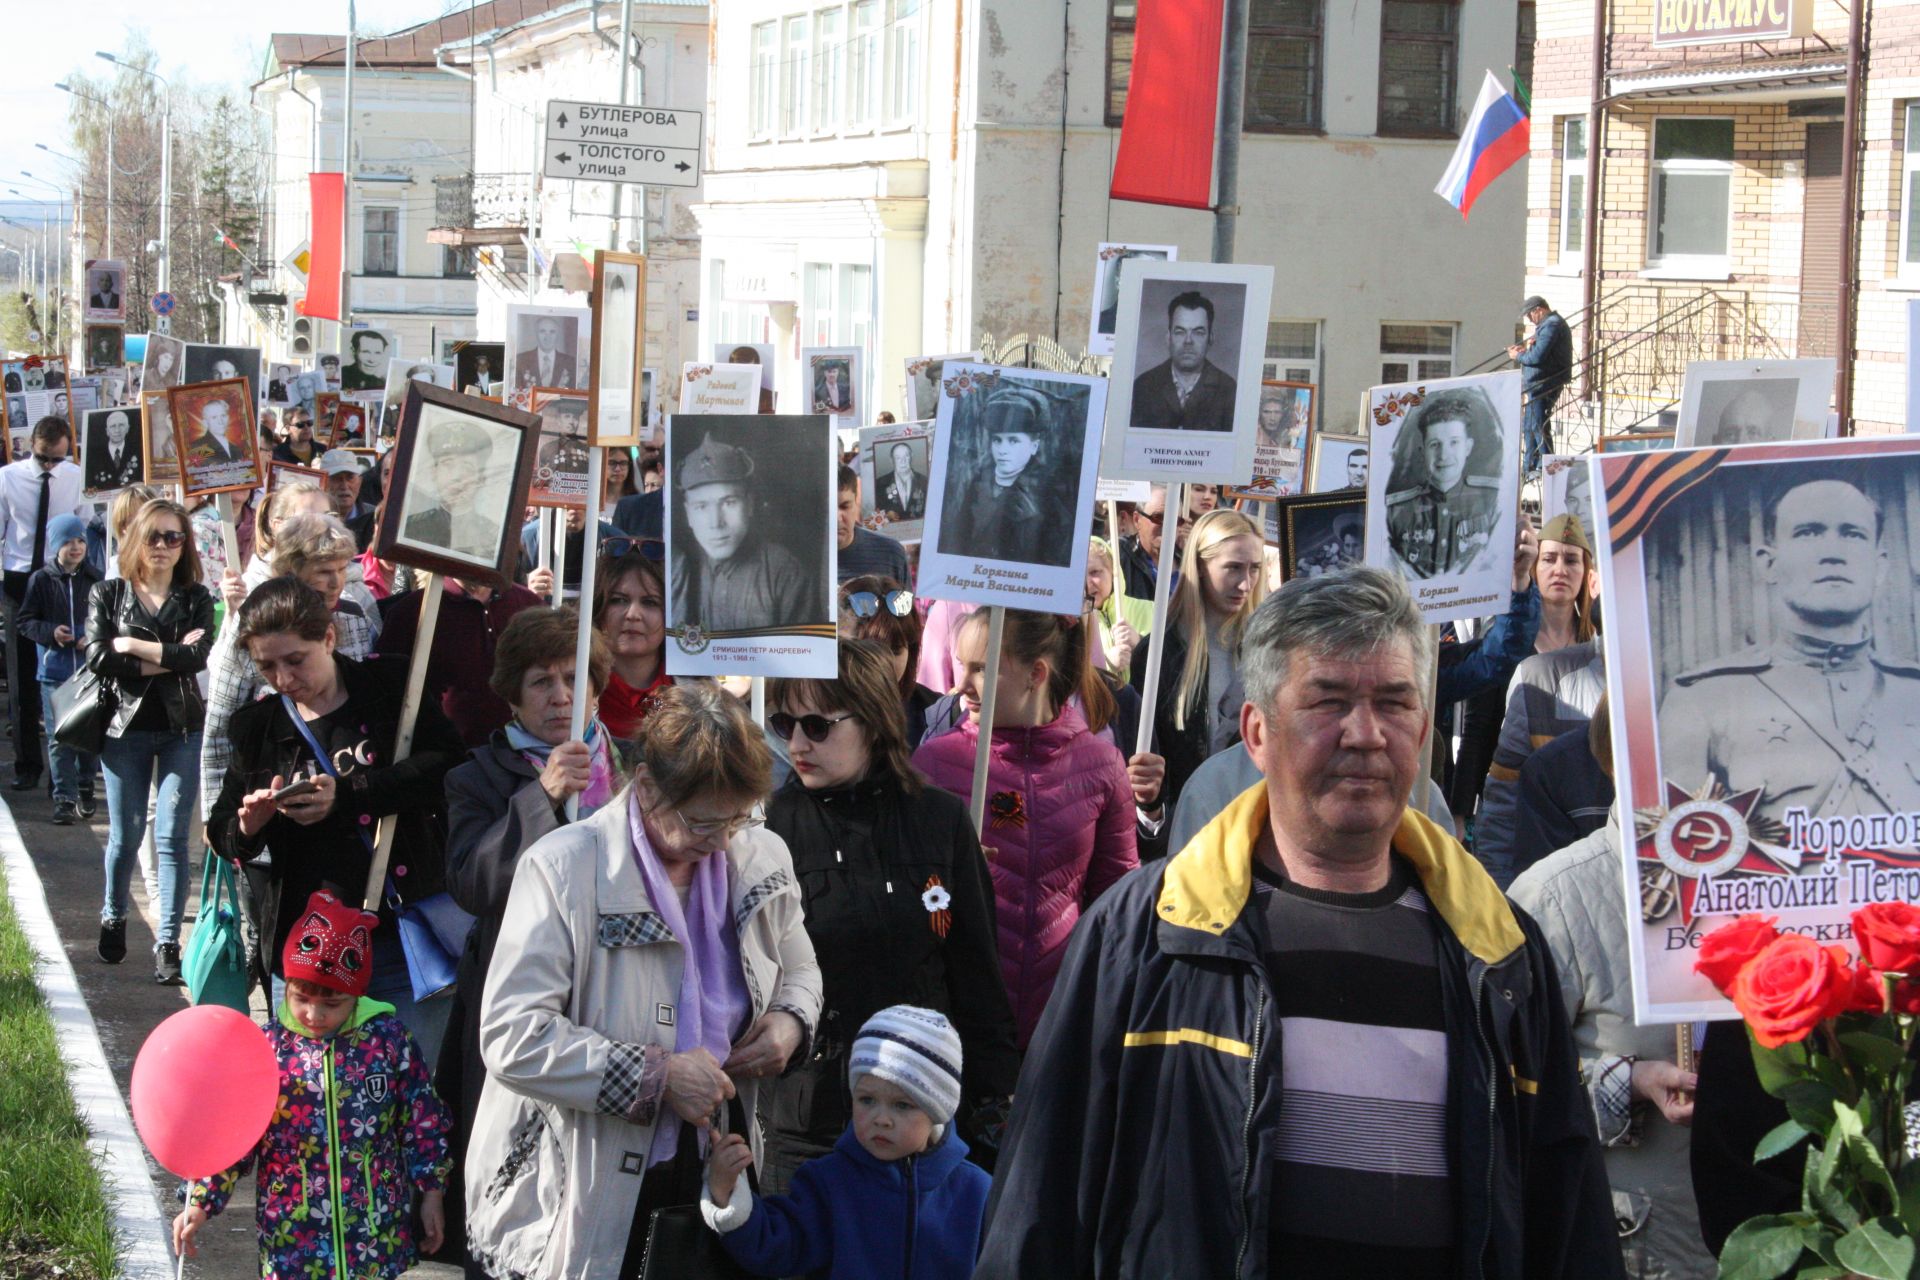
x=481, y=208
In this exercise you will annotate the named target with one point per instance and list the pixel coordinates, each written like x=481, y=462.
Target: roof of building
x=412, y=47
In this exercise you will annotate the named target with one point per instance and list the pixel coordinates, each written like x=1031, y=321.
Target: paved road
x=127, y=1003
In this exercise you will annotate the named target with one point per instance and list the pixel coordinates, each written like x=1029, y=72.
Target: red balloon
x=204, y=1088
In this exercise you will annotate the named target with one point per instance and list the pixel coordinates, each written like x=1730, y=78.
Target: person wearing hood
x=54, y=616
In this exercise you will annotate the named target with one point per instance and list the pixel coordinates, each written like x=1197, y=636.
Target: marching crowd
x=1304, y=990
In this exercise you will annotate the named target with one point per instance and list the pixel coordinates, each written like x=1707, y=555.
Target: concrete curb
x=146, y=1251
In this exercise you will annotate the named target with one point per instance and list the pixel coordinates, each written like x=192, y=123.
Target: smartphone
x=304, y=786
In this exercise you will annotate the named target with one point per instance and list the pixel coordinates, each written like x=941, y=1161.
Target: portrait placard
x=1566, y=490
x=894, y=462
x=106, y=346
x=1729, y=402
x=370, y=352
x=400, y=375
x=326, y=418
x=616, y=406
x=113, y=451
x=924, y=375
x=1763, y=675
x=560, y=465
x=461, y=469
x=754, y=353
x=164, y=365
x=35, y=387
x=156, y=420
x=1010, y=497
x=832, y=382
x=1443, y=490
x=282, y=475
x=1185, y=389
x=1336, y=462
x=479, y=364
x=327, y=364
x=653, y=413
x=1105, y=490
x=1279, y=443
x=751, y=549
x=281, y=389
x=206, y=362
x=1108, y=260
x=106, y=282
x=1319, y=533
x=720, y=388
x=213, y=436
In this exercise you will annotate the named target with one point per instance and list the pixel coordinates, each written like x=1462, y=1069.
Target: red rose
x=1868, y=993
x=1888, y=934
x=1790, y=988
x=1726, y=949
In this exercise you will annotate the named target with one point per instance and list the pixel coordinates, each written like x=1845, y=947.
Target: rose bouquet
x=1833, y=1040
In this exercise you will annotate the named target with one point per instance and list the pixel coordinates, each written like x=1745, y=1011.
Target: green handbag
x=214, y=962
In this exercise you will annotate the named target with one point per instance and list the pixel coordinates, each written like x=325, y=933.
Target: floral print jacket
x=357, y=1129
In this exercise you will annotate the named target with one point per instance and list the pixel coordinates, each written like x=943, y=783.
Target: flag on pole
x=1495, y=137
x=329, y=193
x=227, y=240
x=1173, y=105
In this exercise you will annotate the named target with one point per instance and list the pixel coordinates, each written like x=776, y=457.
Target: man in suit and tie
x=106, y=293
x=113, y=462
x=368, y=372
x=903, y=494
x=546, y=365
x=1186, y=391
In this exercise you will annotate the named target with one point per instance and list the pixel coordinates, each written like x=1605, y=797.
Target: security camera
x=155, y=247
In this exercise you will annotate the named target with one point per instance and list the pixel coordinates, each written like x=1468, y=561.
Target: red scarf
x=623, y=707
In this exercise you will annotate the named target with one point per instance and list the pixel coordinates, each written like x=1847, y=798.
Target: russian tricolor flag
x=1494, y=138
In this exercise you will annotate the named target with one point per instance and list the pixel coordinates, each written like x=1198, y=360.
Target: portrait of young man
x=1187, y=390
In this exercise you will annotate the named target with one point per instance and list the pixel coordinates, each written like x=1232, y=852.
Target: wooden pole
x=989, y=695
x=544, y=552
x=589, y=561
x=1113, y=530
x=229, y=536
x=559, y=535
x=1423, y=781
x=431, y=592
x=1162, y=594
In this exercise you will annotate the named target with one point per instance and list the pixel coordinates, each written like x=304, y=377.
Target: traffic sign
x=607, y=142
x=162, y=304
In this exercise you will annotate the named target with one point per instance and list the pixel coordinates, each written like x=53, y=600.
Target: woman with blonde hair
x=1197, y=709
x=273, y=511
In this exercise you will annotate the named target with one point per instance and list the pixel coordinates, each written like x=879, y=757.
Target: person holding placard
x=473, y=613
x=630, y=612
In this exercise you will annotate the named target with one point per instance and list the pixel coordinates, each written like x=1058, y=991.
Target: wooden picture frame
x=162, y=463
x=1304, y=522
x=1634, y=442
x=280, y=473
x=470, y=358
x=326, y=409
x=458, y=461
x=348, y=411
x=618, y=350
x=209, y=463
x=560, y=466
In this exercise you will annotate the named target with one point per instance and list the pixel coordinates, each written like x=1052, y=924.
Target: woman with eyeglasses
x=652, y=972
x=618, y=479
x=887, y=867
x=883, y=611
x=148, y=634
x=630, y=612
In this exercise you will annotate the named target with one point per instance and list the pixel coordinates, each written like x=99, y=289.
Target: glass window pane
x=1292, y=339
x=1913, y=126
x=1691, y=214
x=1416, y=339
x=1436, y=368
x=1913, y=217
x=1119, y=71
x=1419, y=17
x=1283, y=81
x=1283, y=13
x=1395, y=371
x=1576, y=139
x=1416, y=85
x=1574, y=215
x=1677, y=138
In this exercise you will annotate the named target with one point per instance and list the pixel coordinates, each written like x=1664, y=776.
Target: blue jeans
x=425, y=1021
x=71, y=769
x=1536, y=430
x=130, y=761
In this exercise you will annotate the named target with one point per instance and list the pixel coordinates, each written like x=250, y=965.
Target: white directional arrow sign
x=606, y=142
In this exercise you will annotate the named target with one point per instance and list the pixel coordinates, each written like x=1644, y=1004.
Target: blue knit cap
x=916, y=1049
x=64, y=529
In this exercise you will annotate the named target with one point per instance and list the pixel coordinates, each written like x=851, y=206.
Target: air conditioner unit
x=300, y=335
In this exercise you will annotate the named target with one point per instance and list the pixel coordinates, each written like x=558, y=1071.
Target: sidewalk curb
x=144, y=1248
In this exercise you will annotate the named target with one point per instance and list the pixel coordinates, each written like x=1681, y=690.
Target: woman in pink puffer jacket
x=1060, y=816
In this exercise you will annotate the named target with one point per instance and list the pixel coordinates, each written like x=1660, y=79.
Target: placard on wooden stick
x=614, y=392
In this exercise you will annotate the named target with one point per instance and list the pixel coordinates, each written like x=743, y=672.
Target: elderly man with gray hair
x=1317, y=1040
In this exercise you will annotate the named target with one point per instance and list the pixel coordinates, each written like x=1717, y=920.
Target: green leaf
x=1779, y=1068
x=1827, y=1163
x=1785, y=1136
x=1873, y=1249
x=1820, y=1273
x=1762, y=1248
x=1876, y=1051
x=1811, y=1103
x=1909, y=1182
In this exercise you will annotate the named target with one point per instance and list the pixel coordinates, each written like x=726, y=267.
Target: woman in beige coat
x=640, y=990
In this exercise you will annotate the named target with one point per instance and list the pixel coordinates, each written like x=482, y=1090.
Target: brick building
x=1716, y=166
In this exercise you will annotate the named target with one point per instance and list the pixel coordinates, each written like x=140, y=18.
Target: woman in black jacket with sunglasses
x=899, y=907
x=882, y=610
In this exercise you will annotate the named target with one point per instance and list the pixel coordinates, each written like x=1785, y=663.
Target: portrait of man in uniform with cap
x=732, y=577
x=1817, y=717
x=1443, y=522
x=447, y=508
x=1187, y=391
x=1002, y=500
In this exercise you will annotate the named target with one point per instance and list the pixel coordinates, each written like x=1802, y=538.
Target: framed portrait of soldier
x=106, y=346
x=894, y=464
x=751, y=545
x=1318, y=533
x=1763, y=675
x=461, y=470
x=402, y=374
x=207, y=362
x=213, y=437
x=1336, y=461
x=560, y=465
x=326, y=418
x=1184, y=401
x=1010, y=492
x=615, y=409
x=349, y=424
x=1443, y=490
x=156, y=421
x=368, y=355
x=280, y=384
x=106, y=291
x=924, y=375
x=1566, y=489
x=831, y=378
x=328, y=363
x=1279, y=442
x=284, y=475
x=1108, y=261
x=113, y=450
x=720, y=388
x=479, y=364
x=165, y=364
x=547, y=347
x=1728, y=402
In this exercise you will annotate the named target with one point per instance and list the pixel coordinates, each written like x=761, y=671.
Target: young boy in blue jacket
x=54, y=616
x=895, y=1188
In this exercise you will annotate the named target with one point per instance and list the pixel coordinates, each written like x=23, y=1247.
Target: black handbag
x=680, y=1245
x=79, y=709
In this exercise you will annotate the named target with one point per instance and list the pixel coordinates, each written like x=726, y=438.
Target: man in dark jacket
x=1547, y=366
x=1317, y=1041
x=472, y=615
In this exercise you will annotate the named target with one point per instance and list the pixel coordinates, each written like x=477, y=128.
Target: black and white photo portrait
x=106, y=346
x=560, y=464
x=206, y=362
x=1566, y=490
x=329, y=363
x=369, y=352
x=619, y=331
x=106, y=286
x=548, y=347
x=112, y=456
x=1338, y=462
x=165, y=364
x=1733, y=402
x=1188, y=340
x=1318, y=534
x=924, y=374
x=894, y=462
x=833, y=382
x=1107, y=266
x=280, y=384
x=457, y=500
x=479, y=364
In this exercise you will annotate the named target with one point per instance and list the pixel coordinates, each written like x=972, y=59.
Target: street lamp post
x=166, y=174
x=111, y=120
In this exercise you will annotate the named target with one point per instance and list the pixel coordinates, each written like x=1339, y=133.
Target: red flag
x=1173, y=101
x=329, y=192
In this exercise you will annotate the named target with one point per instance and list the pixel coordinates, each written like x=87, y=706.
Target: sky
x=200, y=42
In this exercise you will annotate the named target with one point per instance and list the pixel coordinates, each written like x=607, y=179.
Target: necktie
x=40, y=521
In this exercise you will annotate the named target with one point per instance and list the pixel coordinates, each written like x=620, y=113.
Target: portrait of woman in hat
x=1009, y=495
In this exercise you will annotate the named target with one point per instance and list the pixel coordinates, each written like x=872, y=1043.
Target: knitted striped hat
x=916, y=1049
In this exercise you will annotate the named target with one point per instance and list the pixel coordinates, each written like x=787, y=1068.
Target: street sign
x=606, y=142
x=162, y=304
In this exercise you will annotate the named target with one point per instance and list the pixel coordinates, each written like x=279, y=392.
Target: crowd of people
x=1226, y=984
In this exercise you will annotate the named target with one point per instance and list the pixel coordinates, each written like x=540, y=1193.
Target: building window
x=1573, y=188
x=1418, y=55
x=1692, y=194
x=1415, y=352
x=816, y=303
x=903, y=61
x=766, y=78
x=863, y=65
x=1283, y=65
x=1523, y=37
x=456, y=263
x=1910, y=204
x=794, y=66
x=856, y=305
x=829, y=70
x=380, y=240
x=1120, y=18
x=1293, y=355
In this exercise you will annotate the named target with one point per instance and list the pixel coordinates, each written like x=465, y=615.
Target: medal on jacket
x=1009, y=809
x=937, y=900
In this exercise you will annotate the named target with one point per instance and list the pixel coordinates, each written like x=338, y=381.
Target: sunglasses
x=815, y=727
x=865, y=604
x=653, y=549
x=166, y=538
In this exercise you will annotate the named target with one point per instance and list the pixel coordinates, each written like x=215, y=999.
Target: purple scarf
x=713, y=994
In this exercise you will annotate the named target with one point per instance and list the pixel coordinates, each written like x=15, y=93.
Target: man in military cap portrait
x=732, y=578
x=1006, y=509
x=448, y=512
x=1816, y=718
x=1445, y=524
